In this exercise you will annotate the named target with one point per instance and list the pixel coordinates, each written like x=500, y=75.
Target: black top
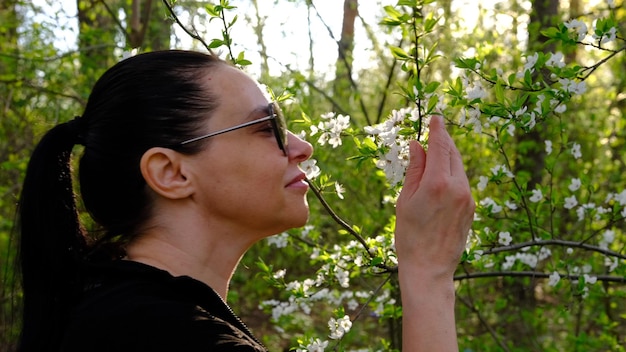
x=129, y=306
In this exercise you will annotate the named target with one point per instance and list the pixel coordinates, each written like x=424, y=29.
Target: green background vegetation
x=43, y=83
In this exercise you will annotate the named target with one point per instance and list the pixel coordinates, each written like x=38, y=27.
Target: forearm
x=428, y=313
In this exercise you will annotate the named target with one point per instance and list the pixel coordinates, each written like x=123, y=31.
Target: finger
x=456, y=162
x=415, y=170
x=440, y=147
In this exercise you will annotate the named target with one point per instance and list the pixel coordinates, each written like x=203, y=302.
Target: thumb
x=415, y=170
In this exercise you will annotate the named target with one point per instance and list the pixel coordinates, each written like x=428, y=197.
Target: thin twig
x=555, y=242
x=195, y=35
x=345, y=225
x=536, y=274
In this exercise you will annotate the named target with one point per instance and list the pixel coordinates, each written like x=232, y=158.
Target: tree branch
x=345, y=225
x=193, y=34
x=556, y=242
x=535, y=274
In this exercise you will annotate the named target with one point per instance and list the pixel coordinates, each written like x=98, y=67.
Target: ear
x=162, y=169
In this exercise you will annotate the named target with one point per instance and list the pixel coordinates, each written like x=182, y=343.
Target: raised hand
x=435, y=208
x=434, y=213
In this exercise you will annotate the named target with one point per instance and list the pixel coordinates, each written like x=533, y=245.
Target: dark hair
x=152, y=99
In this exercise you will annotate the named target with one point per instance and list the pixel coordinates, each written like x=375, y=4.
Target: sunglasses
x=276, y=118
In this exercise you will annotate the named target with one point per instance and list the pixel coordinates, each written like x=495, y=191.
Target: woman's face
x=244, y=180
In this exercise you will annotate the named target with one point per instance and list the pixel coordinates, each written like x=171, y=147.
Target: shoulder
x=142, y=308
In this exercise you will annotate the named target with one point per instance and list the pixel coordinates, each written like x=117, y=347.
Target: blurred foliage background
x=336, y=58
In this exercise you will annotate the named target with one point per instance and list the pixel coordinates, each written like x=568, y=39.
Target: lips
x=298, y=181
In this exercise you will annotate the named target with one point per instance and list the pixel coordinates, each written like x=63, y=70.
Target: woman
x=185, y=166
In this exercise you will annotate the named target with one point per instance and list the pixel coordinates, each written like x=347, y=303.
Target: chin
x=298, y=220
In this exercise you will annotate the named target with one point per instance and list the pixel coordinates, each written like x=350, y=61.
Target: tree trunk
x=258, y=30
x=343, y=69
x=159, y=28
x=529, y=161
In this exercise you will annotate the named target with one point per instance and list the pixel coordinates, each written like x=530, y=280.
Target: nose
x=299, y=149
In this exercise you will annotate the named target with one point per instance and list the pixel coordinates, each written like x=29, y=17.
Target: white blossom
x=280, y=309
x=531, y=61
x=572, y=87
x=589, y=279
x=578, y=26
x=621, y=198
x=475, y=91
x=310, y=168
x=574, y=185
x=510, y=205
x=490, y=203
x=352, y=304
x=129, y=53
x=611, y=263
x=536, y=196
x=330, y=130
x=606, y=37
x=529, y=259
x=583, y=209
x=504, y=238
x=576, y=153
x=482, y=183
x=386, y=134
x=279, y=274
x=496, y=170
x=278, y=241
x=607, y=238
x=340, y=190
x=471, y=116
x=556, y=60
x=544, y=253
x=394, y=163
x=509, y=261
x=339, y=327
x=548, y=147
x=554, y=279
x=510, y=129
x=561, y=108
x=316, y=345
x=570, y=202
x=343, y=277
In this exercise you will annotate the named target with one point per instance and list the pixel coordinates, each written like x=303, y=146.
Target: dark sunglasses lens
x=281, y=126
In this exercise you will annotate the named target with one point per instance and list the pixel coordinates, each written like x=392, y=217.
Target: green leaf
x=392, y=12
x=231, y=23
x=430, y=23
x=212, y=11
x=243, y=62
x=499, y=90
x=376, y=261
x=399, y=53
x=431, y=87
x=432, y=102
x=511, y=79
x=216, y=43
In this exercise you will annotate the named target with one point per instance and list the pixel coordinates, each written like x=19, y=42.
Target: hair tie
x=77, y=126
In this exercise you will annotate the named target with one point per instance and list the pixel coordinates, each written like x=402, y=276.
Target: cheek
x=255, y=174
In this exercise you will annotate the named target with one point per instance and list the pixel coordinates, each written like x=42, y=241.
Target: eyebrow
x=258, y=113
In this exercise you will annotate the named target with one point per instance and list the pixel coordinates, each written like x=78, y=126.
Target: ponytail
x=51, y=239
x=152, y=99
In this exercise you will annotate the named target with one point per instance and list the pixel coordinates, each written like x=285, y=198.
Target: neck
x=200, y=257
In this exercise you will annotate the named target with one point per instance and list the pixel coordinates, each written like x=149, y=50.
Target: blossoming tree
x=554, y=233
